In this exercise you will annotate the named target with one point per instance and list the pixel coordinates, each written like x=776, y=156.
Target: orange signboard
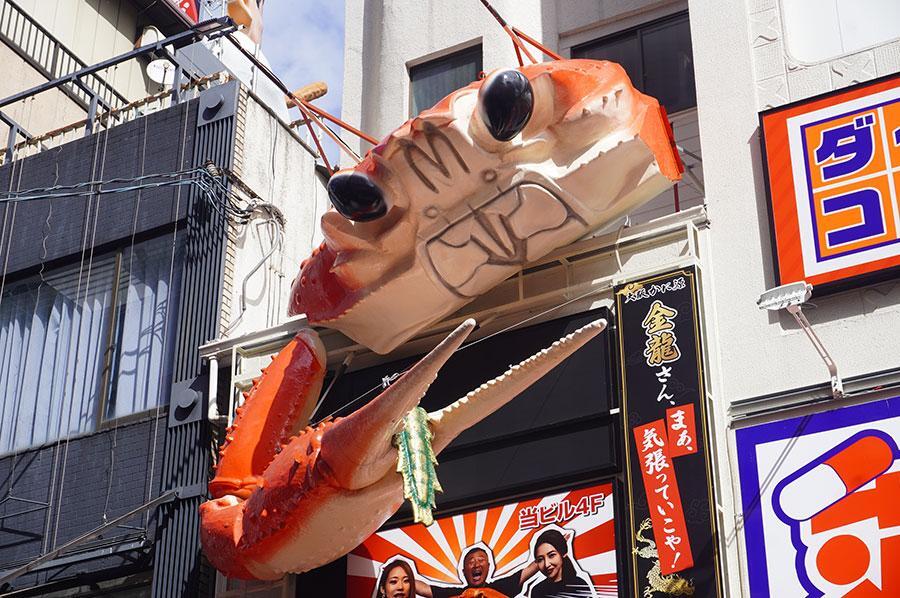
x=564, y=542
x=663, y=498
x=833, y=175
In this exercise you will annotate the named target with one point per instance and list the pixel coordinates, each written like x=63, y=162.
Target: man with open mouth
x=476, y=568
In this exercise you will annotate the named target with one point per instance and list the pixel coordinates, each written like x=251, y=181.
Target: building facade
x=137, y=226
x=759, y=427
x=783, y=396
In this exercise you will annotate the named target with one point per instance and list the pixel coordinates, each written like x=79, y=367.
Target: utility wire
x=220, y=196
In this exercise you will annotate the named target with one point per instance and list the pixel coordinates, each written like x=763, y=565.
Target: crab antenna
x=517, y=38
x=309, y=120
x=517, y=43
x=310, y=113
x=547, y=51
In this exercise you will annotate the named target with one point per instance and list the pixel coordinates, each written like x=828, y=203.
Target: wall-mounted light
x=790, y=297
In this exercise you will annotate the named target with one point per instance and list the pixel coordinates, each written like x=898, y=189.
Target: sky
x=304, y=42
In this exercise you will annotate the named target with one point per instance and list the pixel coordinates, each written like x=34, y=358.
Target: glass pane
x=819, y=30
x=623, y=49
x=53, y=331
x=669, y=64
x=434, y=80
x=143, y=333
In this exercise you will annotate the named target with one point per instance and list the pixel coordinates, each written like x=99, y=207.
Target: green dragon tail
x=416, y=463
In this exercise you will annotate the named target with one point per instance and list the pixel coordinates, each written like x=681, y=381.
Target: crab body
x=453, y=202
x=455, y=211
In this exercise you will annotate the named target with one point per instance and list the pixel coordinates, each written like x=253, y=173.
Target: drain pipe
x=212, y=410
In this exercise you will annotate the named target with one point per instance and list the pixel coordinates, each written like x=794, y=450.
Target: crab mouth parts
x=518, y=225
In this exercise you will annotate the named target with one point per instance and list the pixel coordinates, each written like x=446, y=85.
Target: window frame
x=432, y=59
x=111, y=355
x=249, y=589
x=639, y=31
x=116, y=249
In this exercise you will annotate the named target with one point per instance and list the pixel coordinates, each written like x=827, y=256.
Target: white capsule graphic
x=834, y=475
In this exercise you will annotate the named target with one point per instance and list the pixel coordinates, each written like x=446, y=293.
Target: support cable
x=49, y=556
x=6, y=239
x=79, y=308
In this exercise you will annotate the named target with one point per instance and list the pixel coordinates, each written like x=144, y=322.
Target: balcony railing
x=98, y=109
x=47, y=55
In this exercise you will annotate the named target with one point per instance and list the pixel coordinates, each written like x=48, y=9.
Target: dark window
x=657, y=56
x=435, y=79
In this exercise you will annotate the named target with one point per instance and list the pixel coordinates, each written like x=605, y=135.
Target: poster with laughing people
x=557, y=546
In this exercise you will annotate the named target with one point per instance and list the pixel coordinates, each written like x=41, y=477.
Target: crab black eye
x=356, y=197
x=505, y=102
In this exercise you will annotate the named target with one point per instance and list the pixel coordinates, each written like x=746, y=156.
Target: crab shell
x=466, y=211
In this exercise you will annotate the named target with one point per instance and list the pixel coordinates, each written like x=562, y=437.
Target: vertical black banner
x=667, y=461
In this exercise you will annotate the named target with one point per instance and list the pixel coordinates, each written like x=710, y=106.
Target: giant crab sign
x=450, y=204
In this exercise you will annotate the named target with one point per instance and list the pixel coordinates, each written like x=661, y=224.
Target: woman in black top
x=551, y=553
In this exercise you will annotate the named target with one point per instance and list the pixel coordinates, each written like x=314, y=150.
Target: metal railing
x=47, y=55
x=98, y=109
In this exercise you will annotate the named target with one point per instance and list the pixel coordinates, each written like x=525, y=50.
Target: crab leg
x=358, y=448
x=278, y=405
x=452, y=420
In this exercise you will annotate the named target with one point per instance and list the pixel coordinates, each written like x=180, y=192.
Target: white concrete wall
x=382, y=39
x=742, y=68
x=781, y=79
x=738, y=51
x=281, y=170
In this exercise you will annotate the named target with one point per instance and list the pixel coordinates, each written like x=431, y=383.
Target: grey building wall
x=104, y=474
x=115, y=470
x=178, y=568
x=159, y=143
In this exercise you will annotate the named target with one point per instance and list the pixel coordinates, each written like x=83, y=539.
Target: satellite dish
x=161, y=71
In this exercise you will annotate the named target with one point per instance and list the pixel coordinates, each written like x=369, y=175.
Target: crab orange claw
x=279, y=508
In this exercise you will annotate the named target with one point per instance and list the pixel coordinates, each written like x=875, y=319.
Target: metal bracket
x=192, y=491
x=790, y=297
x=186, y=402
x=217, y=103
x=837, y=386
